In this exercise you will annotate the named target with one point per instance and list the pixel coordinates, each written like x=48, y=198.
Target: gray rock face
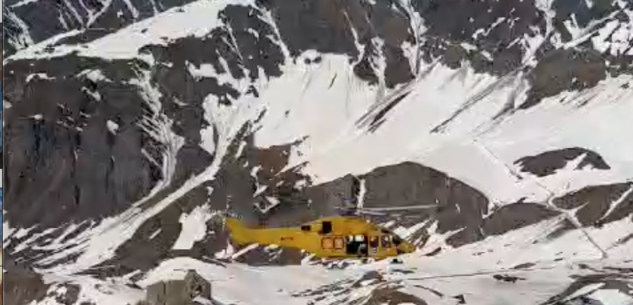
x=64, y=148
x=596, y=203
x=409, y=184
x=611, y=278
x=22, y=289
x=548, y=163
x=562, y=70
x=454, y=22
x=21, y=284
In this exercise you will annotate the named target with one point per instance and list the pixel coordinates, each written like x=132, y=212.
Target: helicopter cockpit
x=401, y=246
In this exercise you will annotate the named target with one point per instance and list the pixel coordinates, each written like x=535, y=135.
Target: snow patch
x=194, y=227
x=196, y=19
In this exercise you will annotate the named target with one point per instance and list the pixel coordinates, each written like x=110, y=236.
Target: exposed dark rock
x=63, y=148
x=392, y=296
x=561, y=228
x=363, y=69
x=437, y=293
x=435, y=252
x=373, y=276
x=507, y=278
x=70, y=295
x=153, y=241
x=452, y=22
x=595, y=201
x=380, y=117
x=516, y=216
x=626, y=238
x=580, y=12
x=562, y=70
x=523, y=266
x=547, y=163
x=381, y=293
x=460, y=299
x=233, y=189
x=338, y=287
x=621, y=270
x=20, y=284
x=274, y=257
x=411, y=184
x=11, y=34
x=503, y=220
x=336, y=27
x=318, y=25
x=22, y=289
x=597, y=14
x=79, y=125
x=610, y=281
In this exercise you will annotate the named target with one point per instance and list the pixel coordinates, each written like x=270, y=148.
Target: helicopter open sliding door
x=373, y=245
x=356, y=245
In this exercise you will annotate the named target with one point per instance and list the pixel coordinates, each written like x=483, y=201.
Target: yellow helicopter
x=327, y=237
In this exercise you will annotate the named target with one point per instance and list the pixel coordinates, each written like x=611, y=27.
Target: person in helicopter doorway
x=363, y=251
x=357, y=245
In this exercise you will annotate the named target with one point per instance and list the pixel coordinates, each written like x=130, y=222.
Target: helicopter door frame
x=385, y=241
x=373, y=244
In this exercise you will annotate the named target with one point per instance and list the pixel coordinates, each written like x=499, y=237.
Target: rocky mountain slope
x=132, y=126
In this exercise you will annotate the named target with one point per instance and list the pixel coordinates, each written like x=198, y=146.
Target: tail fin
x=239, y=233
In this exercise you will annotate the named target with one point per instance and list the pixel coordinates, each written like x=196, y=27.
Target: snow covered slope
x=511, y=270
x=126, y=144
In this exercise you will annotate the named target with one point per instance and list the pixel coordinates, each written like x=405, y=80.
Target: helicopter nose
x=406, y=248
x=409, y=248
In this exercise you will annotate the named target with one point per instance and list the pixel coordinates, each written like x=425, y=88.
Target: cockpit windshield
x=388, y=235
x=385, y=241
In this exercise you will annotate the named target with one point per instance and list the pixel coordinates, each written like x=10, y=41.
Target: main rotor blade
x=400, y=208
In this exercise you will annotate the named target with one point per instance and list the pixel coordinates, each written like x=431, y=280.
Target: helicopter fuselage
x=331, y=237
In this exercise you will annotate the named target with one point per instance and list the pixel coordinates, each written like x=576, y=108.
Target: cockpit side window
x=373, y=242
x=385, y=241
